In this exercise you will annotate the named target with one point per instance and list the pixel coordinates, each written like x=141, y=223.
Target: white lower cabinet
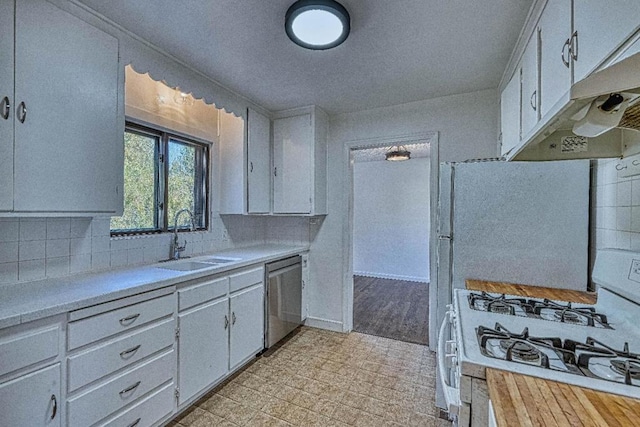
x=122, y=373
x=246, y=337
x=30, y=374
x=203, y=347
x=221, y=331
x=32, y=400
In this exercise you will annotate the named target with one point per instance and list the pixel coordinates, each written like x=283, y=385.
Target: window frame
x=161, y=181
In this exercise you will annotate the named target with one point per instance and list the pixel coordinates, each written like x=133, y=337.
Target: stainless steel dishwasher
x=283, y=311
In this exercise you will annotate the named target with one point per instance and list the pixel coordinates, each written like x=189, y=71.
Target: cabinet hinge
x=177, y=333
x=161, y=157
x=177, y=392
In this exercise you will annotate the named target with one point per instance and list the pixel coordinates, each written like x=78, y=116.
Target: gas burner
x=499, y=307
x=626, y=367
x=520, y=350
x=539, y=309
x=499, y=304
x=500, y=343
x=566, y=316
x=587, y=316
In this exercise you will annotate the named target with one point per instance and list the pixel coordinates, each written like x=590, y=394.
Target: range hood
x=593, y=119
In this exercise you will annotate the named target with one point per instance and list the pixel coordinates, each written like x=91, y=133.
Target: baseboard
x=392, y=276
x=330, y=325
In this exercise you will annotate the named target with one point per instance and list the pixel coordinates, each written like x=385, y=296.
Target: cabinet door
x=555, y=63
x=247, y=324
x=529, y=100
x=601, y=27
x=203, y=347
x=68, y=151
x=510, y=114
x=32, y=399
x=293, y=167
x=6, y=105
x=232, y=161
x=258, y=163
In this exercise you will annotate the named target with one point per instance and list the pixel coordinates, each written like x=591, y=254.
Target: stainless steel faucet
x=176, y=249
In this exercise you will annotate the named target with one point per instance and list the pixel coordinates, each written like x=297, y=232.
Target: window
x=163, y=173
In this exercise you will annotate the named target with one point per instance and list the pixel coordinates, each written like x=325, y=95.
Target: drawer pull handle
x=131, y=350
x=55, y=406
x=126, y=321
x=22, y=112
x=6, y=107
x=130, y=388
x=226, y=321
x=135, y=423
x=233, y=318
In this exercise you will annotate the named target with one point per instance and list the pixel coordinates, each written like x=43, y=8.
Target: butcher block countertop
x=532, y=291
x=522, y=400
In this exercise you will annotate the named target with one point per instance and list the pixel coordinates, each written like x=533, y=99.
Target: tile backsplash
x=615, y=208
x=39, y=248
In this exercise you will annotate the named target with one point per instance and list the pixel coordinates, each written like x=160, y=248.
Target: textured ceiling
x=378, y=153
x=398, y=51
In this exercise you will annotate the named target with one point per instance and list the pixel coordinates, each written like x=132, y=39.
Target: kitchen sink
x=187, y=266
x=219, y=260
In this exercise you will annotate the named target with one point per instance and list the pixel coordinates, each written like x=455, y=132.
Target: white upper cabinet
x=232, y=164
x=300, y=162
x=555, y=54
x=6, y=105
x=68, y=144
x=600, y=27
x=510, y=114
x=529, y=99
x=258, y=163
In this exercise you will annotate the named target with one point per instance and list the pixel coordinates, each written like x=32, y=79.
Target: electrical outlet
x=634, y=273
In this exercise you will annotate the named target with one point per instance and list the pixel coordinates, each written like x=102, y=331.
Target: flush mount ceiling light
x=397, y=154
x=317, y=24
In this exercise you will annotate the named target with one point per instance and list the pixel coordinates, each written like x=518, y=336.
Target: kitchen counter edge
x=29, y=301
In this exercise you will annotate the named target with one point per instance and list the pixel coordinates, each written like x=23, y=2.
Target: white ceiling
x=398, y=51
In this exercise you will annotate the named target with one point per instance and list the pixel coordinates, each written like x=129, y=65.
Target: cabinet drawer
x=148, y=412
x=114, y=355
x=97, y=327
x=88, y=408
x=23, y=349
x=245, y=279
x=202, y=292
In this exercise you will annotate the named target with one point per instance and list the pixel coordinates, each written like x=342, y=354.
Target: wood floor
x=395, y=309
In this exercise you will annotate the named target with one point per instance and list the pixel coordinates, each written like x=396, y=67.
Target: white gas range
x=595, y=346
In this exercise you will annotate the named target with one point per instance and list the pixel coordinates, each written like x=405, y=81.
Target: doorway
x=390, y=233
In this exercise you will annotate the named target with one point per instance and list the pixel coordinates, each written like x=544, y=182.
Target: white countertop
x=25, y=302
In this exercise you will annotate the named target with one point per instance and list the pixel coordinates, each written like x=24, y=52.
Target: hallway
x=396, y=309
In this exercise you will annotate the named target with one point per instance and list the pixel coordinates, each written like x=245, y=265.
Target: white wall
x=467, y=128
x=391, y=219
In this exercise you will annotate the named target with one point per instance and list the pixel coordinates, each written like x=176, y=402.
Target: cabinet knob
x=126, y=321
x=54, y=401
x=574, y=46
x=566, y=49
x=130, y=388
x=135, y=423
x=22, y=112
x=534, y=100
x=6, y=106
